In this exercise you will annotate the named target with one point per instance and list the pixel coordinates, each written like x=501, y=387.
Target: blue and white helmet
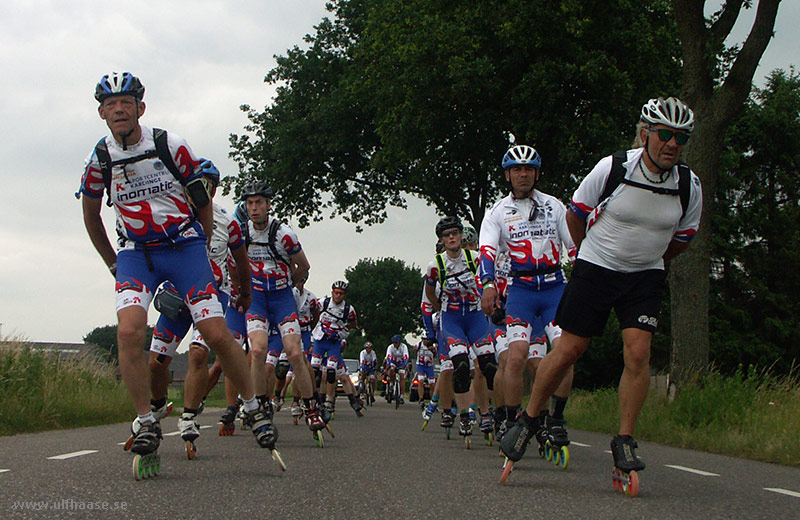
x=671, y=112
x=116, y=84
x=521, y=155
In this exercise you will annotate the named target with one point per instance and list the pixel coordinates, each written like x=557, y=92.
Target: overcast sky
x=199, y=61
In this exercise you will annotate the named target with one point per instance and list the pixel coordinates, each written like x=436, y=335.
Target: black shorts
x=593, y=291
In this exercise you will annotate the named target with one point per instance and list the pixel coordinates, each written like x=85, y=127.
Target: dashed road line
x=4, y=470
x=573, y=443
x=692, y=470
x=71, y=455
x=784, y=492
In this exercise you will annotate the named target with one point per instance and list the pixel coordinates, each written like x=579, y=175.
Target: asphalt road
x=379, y=466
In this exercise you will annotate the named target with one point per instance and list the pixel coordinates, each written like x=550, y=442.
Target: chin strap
x=662, y=170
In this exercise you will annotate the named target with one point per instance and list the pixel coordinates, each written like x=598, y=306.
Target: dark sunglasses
x=681, y=138
x=534, y=211
x=450, y=233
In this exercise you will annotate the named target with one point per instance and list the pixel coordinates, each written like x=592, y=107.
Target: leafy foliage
x=397, y=98
x=756, y=250
x=386, y=294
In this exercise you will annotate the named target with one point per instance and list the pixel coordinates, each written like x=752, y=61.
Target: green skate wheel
x=564, y=459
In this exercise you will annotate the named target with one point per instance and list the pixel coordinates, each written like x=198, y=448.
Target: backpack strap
x=617, y=177
x=104, y=159
x=272, y=237
x=442, y=268
x=617, y=174
x=162, y=149
x=471, y=264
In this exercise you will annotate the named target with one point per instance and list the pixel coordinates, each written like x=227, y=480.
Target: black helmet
x=448, y=223
x=116, y=84
x=257, y=188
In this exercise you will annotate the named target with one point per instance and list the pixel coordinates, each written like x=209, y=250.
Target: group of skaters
x=237, y=280
x=509, y=307
x=494, y=305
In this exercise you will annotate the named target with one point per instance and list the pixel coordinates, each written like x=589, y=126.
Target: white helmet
x=671, y=112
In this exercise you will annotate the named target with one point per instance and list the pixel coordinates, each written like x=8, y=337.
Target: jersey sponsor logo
x=158, y=165
x=648, y=320
x=144, y=192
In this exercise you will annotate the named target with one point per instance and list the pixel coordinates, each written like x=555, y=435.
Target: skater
x=163, y=217
x=367, y=363
x=647, y=201
x=463, y=326
x=277, y=260
x=395, y=364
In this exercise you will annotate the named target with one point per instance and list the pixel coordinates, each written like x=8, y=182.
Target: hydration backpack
x=472, y=267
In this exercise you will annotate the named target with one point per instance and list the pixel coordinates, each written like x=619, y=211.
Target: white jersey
x=368, y=359
x=425, y=355
x=332, y=321
x=397, y=354
x=271, y=272
x=532, y=231
x=461, y=290
x=631, y=230
x=307, y=304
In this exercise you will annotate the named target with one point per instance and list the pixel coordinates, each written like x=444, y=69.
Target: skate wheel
x=226, y=430
x=488, y=439
x=508, y=467
x=191, y=450
x=467, y=442
x=128, y=444
x=563, y=460
x=632, y=488
x=295, y=421
x=318, y=439
x=330, y=431
x=548, y=451
x=276, y=456
x=138, y=469
x=447, y=432
x=541, y=451
x=616, y=480
x=424, y=425
x=556, y=453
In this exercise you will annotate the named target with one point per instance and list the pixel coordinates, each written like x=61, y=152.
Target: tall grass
x=751, y=414
x=38, y=391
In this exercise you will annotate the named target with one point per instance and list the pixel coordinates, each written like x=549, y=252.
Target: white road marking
x=692, y=470
x=71, y=455
x=608, y=451
x=4, y=470
x=784, y=492
x=171, y=434
x=580, y=444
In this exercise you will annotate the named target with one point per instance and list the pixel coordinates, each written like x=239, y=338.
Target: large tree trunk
x=715, y=107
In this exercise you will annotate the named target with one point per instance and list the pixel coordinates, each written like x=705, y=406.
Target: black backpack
x=343, y=318
x=617, y=177
x=161, y=151
x=270, y=243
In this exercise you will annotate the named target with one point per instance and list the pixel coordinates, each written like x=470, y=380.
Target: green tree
x=106, y=338
x=416, y=97
x=386, y=294
x=716, y=81
x=756, y=250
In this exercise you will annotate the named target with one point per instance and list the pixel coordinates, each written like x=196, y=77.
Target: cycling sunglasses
x=681, y=138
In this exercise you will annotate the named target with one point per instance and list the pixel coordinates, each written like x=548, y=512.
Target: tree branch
x=722, y=27
x=693, y=33
x=738, y=83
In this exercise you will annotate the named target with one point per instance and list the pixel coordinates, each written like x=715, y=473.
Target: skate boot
x=260, y=421
x=448, y=420
x=557, y=432
x=241, y=416
x=227, y=421
x=146, y=461
x=314, y=418
x=189, y=433
x=625, y=474
x=429, y=411
x=473, y=417
x=515, y=440
x=147, y=439
x=297, y=411
x=465, y=428
x=356, y=405
x=330, y=410
x=625, y=459
x=499, y=419
x=487, y=428
x=164, y=411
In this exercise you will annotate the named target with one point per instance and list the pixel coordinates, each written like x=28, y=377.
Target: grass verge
x=38, y=391
x=753, y=415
